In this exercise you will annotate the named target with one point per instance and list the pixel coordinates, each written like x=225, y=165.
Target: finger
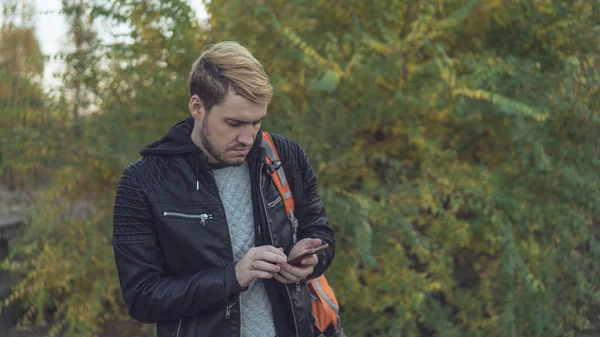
x=282, y=279
x=270, y=249
x=299, y=272
x=269, y=256
x=265, y=266
x=289, y=276
x=316, y=243
x=261, y=274
x=296, y=270
x=311, y=243
x=307, y=271
x=310, y=261
x=295, y=275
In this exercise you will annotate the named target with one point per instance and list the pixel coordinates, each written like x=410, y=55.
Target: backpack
x=324, y=306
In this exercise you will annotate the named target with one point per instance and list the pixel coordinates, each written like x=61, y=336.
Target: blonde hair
x=228, y=66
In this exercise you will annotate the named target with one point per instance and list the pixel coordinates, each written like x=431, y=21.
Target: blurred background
x=456, y=145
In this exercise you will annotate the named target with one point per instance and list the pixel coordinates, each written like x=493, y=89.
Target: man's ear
x=196, y=107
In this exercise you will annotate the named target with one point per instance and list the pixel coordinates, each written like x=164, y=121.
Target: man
x=200, y=235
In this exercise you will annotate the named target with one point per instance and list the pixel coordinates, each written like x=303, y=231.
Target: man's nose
x=246, y=138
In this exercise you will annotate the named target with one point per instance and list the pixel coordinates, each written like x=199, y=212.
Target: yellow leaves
x=312, y=53
x=428, y=199
x=560, y=29
x=56, y=328
x=287, y=88
x=531, y=247
x=376, y=45
x=507, y=104
x=58, y=276
x=398, y=128
x=417, y=299
x=449, y=76
x=535, y=284
x=434, y=286
x=344, y=12
x=544, y=6
x=418, y=140
x=385, y=84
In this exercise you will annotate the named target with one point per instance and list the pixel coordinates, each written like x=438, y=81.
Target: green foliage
x=83, y=142
x=455, y=142
x=456, y=148
x=21, y=95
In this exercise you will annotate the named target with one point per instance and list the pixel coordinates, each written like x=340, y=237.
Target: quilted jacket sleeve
x=149, y=293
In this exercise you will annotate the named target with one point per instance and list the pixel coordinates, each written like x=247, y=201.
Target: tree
x=21, y=95
x=456, y=143
x=65, y=257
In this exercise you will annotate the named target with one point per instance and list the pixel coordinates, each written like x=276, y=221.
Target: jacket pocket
x=275, y=202
x=203, y=217
x=193, y=236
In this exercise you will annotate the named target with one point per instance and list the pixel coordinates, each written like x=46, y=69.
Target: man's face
x=227, y=133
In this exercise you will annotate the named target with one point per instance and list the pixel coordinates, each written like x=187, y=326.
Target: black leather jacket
x=172, y=245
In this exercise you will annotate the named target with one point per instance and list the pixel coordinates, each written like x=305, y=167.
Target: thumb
x=312, y=243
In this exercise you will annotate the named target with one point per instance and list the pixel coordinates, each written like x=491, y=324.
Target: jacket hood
x=176, y=141
x=179, y=141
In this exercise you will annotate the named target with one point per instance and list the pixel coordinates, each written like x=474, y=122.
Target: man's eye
x=232, y=124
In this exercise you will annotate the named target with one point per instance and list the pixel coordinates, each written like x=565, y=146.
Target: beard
x=218, y=155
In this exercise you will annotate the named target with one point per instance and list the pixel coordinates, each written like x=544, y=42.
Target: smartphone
x=296, y=261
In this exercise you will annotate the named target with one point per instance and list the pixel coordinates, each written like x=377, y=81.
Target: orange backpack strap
x=326, y=308
x=278, y=175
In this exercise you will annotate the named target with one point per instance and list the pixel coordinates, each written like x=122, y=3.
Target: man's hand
x=259, y=262
x=292, y=274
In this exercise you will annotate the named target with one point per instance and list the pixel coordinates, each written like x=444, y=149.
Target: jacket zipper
x=241, y=327
x=203, y=217
x=228, y=308
x=179, y=327
x=262, y=197
x=216, y=189
x=228, y=311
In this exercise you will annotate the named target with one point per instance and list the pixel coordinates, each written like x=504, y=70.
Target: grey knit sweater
x=234, y=188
